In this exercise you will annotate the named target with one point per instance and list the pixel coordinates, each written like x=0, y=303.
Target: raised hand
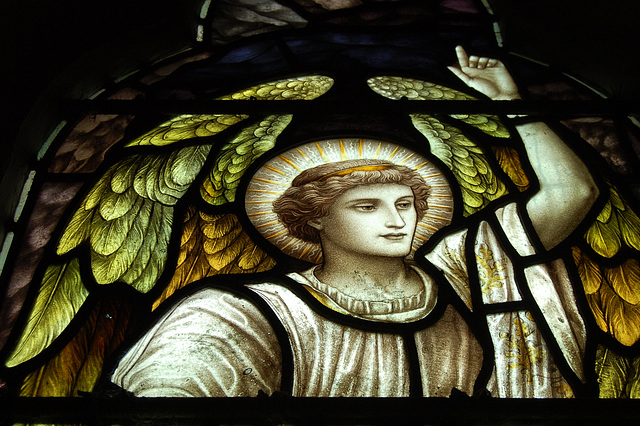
x=486, y=75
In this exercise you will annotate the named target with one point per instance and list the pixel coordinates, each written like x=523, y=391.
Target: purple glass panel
x=52, y=202
x=84, y=149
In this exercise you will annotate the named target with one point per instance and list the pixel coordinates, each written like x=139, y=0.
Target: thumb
x=460, y=74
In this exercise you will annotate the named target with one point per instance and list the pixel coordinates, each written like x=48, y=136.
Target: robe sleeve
x=524, y=366
x=552, y=290
x=449, y=256
x=211, y=344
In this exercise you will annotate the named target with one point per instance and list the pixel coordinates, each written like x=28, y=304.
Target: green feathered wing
x=125, y=226
x=608, y=256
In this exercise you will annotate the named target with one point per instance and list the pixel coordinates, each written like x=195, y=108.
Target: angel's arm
x=567, y=189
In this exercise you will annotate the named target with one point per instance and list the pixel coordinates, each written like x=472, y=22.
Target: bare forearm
x=567, y=189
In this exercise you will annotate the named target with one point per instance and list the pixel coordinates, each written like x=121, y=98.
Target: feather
x=214, y=227
x=624, y=279
x=605, y=214
x=472, y=202
x=129, y=231
x=509, y=161
x=187, y=126
x=251, y=256
x=60, y=296
x=185, y=164
x=465, y=165
x=141, y=174
x=76, y=232
x=489, y=124
x=213, y=246
x=613, y=294
x=633, y=379
x=107, y=236
x=303, y=88
x=466, y=160
x=116, y=205
x=216, y=244
x=396, y=88
x=630, y=228
x=614, y=197
x=493, y=190
x=221, y=258
x=623, y=319
x=78, y=366
x=615, y=225
x=588, y=270
x=468, y=175
x=595, y=303
x=612, y=370
x=122, y=178
x=145, y=269
x=603, y=239
x=224, y=177
x=146, y=242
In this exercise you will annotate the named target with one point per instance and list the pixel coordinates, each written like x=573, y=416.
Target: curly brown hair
x=313, y=191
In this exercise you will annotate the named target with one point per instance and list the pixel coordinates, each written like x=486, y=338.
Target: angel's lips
x=399, y=236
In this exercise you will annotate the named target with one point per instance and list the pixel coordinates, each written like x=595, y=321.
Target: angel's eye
x=365, y=207
x=404, y=205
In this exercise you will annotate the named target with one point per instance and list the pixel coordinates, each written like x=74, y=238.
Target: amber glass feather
x=212, y=245
x=79, y=365
x=613, y=294
x=509, y=162
x=616, y=225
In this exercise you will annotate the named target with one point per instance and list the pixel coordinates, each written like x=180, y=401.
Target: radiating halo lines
x=275, y=176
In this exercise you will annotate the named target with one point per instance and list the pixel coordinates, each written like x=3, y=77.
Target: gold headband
x=355, y=169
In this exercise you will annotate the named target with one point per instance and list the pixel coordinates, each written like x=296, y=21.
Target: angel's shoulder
x=202, y=346
x=214, y=306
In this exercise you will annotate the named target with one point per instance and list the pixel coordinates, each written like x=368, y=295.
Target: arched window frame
x=96, y=105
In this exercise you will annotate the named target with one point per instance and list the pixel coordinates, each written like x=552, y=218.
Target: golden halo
x=275, y=176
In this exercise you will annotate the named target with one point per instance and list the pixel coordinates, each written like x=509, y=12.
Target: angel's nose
x=394, y=219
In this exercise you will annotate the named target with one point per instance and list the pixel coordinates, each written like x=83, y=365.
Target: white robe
x=217, y=343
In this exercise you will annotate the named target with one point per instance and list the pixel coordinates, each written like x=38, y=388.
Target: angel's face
x=374, y=220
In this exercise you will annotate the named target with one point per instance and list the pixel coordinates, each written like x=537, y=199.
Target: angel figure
x=376, y=317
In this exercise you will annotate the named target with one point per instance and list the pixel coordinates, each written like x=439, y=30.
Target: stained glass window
x=184, y=231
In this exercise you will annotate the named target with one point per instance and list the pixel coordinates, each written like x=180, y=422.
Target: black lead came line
x=479, y=411
x=364, y=106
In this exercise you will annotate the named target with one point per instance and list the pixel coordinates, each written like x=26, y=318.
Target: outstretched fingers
x=473, y=61
x=487, y=75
